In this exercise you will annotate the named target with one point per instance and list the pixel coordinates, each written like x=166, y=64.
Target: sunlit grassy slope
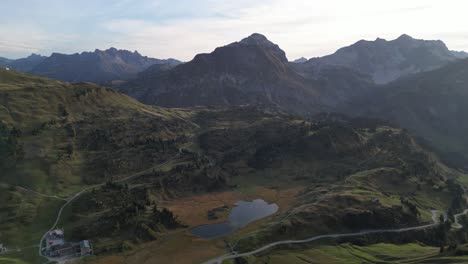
x=56, y=138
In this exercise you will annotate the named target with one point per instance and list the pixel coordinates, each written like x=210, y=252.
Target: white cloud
x=302, y=28
x=183, y=28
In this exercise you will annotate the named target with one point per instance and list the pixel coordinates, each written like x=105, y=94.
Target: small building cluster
x=57, y=247
x=55, y=238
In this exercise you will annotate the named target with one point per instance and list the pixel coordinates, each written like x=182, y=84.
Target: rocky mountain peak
x=34, y=55
x=386, y=61
x=259, y=40
x=405, y=37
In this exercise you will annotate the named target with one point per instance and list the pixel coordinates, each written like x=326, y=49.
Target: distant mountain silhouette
x=98, y=66
x=386, y=61
x=26, y=64
x=4, y=61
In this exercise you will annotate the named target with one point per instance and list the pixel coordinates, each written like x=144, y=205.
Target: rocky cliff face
x=386, y=61
x=251, y=71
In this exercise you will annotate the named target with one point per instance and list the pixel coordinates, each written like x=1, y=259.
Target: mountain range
x=99, y=66
x=26, y=64
x=251, y=71
x=372, y=78
x=23, y=64
x=386, y=79
x=386, y=61
x=255, y=70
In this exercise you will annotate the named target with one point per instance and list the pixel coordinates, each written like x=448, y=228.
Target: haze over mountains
x=98, y=66
x=386, y=61
x=432, y=105
x=25, y=64
x=256, y=71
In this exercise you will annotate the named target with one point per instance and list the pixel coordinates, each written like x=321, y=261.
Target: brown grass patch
x=180, y=247
x=183, y=248
x=193, y=211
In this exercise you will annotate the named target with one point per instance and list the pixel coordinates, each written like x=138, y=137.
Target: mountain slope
x=386, y=61
x=57, y=138
x=4, y=61
x=432, y=105
x=252, y=71
x=26, y=64
x=98, y=66
x=73, y=134
x=337, y=84
x=358, y=174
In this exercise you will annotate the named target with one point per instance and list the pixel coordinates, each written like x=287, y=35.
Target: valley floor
x=180, y=246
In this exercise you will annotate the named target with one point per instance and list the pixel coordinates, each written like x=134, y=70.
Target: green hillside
x=57, y=137
x=61, y=135
x=432, y=105
x=328, y=174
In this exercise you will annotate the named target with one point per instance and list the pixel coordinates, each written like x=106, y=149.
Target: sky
x=183, y=28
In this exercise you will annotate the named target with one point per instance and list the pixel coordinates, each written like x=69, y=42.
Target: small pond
x=242, y=214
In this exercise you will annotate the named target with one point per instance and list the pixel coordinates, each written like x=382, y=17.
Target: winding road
x=76, y=195
x=457, y=224
x=41, y=194
x=219, y=260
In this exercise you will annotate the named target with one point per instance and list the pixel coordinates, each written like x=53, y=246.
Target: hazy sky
x=183, y=28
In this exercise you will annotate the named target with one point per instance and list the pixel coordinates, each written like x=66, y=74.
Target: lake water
x=242, y=214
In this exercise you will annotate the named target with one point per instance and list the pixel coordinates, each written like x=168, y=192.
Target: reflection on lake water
x=241, y=215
